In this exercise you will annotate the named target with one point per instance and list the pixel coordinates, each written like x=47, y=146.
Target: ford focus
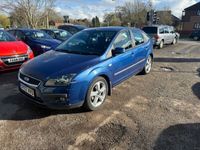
x=83, y=70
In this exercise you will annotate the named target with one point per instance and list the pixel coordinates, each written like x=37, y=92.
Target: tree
x=28, y=12
x=165, y=16
x=112, y=19
x=4, y=21
x=131, y=13
x=95, y=22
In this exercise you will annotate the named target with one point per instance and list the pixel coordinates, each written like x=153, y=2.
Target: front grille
x=29, y=80
x=14, y=60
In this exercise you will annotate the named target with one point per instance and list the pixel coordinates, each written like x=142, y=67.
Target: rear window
x=150, y=30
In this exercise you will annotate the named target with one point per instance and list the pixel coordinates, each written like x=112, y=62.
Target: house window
x=197, y=25
x=198, y=13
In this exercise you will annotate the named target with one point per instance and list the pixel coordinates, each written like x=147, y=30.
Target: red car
x=13, y=53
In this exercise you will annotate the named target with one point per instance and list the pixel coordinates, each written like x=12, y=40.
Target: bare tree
x=131, y=13
x=29, y=12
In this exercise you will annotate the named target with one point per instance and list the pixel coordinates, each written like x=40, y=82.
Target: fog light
x=61, y=99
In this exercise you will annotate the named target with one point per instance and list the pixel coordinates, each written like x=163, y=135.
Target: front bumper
x=5, y=65
x=55, y=97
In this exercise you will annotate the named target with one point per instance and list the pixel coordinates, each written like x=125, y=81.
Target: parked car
x=162, y=34
x=83, y=70
x=195, y=35
x=12, y=52
x=72, y=28
x=58, y=34
x=38, y=41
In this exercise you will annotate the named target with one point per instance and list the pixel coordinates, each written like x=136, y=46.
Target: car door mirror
x=118, y=50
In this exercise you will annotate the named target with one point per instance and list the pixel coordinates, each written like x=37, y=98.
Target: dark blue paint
x=35, y=44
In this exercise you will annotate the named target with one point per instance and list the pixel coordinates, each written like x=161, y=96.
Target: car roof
x=72, y=25
x=110, y=28
x=158, y=26
x=53, y=29
x=25, y=29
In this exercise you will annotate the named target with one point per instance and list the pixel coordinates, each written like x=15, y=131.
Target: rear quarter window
x=150, y=30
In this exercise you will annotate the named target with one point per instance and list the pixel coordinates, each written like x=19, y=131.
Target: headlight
x=61, y=81
x=45, y=47
x=29, y=50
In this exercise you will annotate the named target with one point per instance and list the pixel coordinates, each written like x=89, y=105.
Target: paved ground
x=160, y=111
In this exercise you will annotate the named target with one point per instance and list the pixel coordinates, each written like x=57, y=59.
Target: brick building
x=191, y=19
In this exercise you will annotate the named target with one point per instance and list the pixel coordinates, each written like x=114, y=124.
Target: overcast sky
x=91, y=8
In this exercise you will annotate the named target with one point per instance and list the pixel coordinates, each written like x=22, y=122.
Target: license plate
x=27, y=90
x=17, y=59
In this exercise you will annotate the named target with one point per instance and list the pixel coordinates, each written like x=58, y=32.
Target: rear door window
x=12, y=32
x=138, y=36
x=20, y=35
x=166, y=30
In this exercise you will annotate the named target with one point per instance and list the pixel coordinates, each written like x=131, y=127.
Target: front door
x=122, y=63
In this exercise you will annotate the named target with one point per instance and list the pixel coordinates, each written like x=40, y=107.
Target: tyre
x=148, y=65
x=96, y=94
x=196, y=38
x=160, y=46
x=174, y=41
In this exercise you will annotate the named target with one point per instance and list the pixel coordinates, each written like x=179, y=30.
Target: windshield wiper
x=76, y=52
x=63, y=50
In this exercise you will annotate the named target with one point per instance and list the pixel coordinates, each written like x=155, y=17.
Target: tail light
x=156, y=37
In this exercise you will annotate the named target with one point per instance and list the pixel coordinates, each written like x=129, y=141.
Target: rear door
x=142, y=46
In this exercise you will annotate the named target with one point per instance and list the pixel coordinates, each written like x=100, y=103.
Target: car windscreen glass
x=62, y=34
x=89, y=42
x=150, y=30
x=4, y=36
x=37, y=35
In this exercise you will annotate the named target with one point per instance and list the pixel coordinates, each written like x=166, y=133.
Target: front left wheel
x=96, y=94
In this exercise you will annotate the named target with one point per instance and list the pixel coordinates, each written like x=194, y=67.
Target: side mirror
x=118, y=50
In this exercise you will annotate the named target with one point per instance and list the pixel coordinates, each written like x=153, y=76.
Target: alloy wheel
x=98, y=93
x=148, y=65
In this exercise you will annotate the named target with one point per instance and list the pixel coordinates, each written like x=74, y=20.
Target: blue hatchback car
x=83, y=70
x=38, y=40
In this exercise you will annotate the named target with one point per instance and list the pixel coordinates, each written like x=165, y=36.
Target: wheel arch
x=108, y=82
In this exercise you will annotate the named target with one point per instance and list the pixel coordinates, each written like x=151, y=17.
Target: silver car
x=162, y=34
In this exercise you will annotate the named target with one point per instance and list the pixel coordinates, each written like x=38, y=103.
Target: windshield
x=62, y=34
x=89, y=42
x=4, y=36
x=37, y=35
x=150, y=30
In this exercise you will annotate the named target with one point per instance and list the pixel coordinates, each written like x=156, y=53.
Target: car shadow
x=15, y=106
x=179, y=137
x=18, y=108
x=176, y=60
x=198, y=70
x=196, y=89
